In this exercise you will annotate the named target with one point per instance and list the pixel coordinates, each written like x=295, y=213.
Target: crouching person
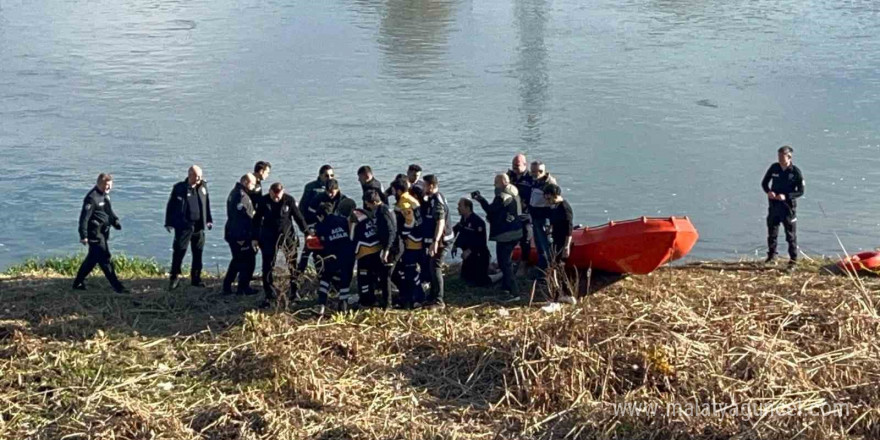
x=375, y=233
x=336, y=257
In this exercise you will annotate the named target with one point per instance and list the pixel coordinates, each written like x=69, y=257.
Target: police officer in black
x=261, y=172
x=369, y=182
x=239, y=234
x=783, y=183
x=188, y=214
x=95, y=221
x=438, y=236
x=274, y=222
x=312, y=190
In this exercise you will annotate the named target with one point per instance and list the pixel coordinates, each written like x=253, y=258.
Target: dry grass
x=196, y=365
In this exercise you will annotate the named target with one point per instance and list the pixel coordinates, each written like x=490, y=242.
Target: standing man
x=274, y=222
x=783, y=183
x=539, y=211
x=505, y=228
x=95, y=220
x=438, y=235
x=376, y=255
x=408, y=217
x=561, y=223
x=239, y=234
x=370, y=182
x=311, y=190
x=472, y=239
x=188, y=214
x=520, y=178
x=416, y=184
x=375, y=231
x=261, y=172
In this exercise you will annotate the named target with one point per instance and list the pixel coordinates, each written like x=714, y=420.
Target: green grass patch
x=126, y=266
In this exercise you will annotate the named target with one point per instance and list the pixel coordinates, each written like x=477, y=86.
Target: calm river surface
x=640, y=107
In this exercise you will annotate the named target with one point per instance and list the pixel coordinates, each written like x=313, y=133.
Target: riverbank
x=714, y=339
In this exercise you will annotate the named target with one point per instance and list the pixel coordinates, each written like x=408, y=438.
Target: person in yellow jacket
x=407, y=211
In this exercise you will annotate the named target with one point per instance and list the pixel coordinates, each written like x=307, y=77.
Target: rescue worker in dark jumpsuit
x=95, y=220
x=312, y=190
x=783, y=183
x=438, y=235
x=274, y=222
x=188, y=214
x=409, y=230
x=239, y=233
x=376, y=249
x=337, y=257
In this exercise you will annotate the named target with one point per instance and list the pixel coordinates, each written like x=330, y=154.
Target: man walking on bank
x=95, y=221
x=188, y=214
x=783, y=183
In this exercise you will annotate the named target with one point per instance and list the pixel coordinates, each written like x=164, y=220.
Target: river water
x=639, y=107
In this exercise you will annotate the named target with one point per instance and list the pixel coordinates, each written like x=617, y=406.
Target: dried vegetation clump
x=196, y=365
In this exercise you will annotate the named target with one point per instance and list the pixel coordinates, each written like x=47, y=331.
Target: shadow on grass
x=459, y=293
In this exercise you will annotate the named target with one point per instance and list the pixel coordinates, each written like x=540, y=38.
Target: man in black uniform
x=376, y=249
x=783, y=183
x=95, y=221
x=274, y=220
x=311, y=190
x=188, y=214
x=438, y=236
x=262, y=169
x=261, y=172
x=473, y=240
x=370, y=182
x=239, y=234
x=521, y=178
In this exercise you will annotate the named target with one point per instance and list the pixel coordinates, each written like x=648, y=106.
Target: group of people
x=400, y=234
x=403, y=242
